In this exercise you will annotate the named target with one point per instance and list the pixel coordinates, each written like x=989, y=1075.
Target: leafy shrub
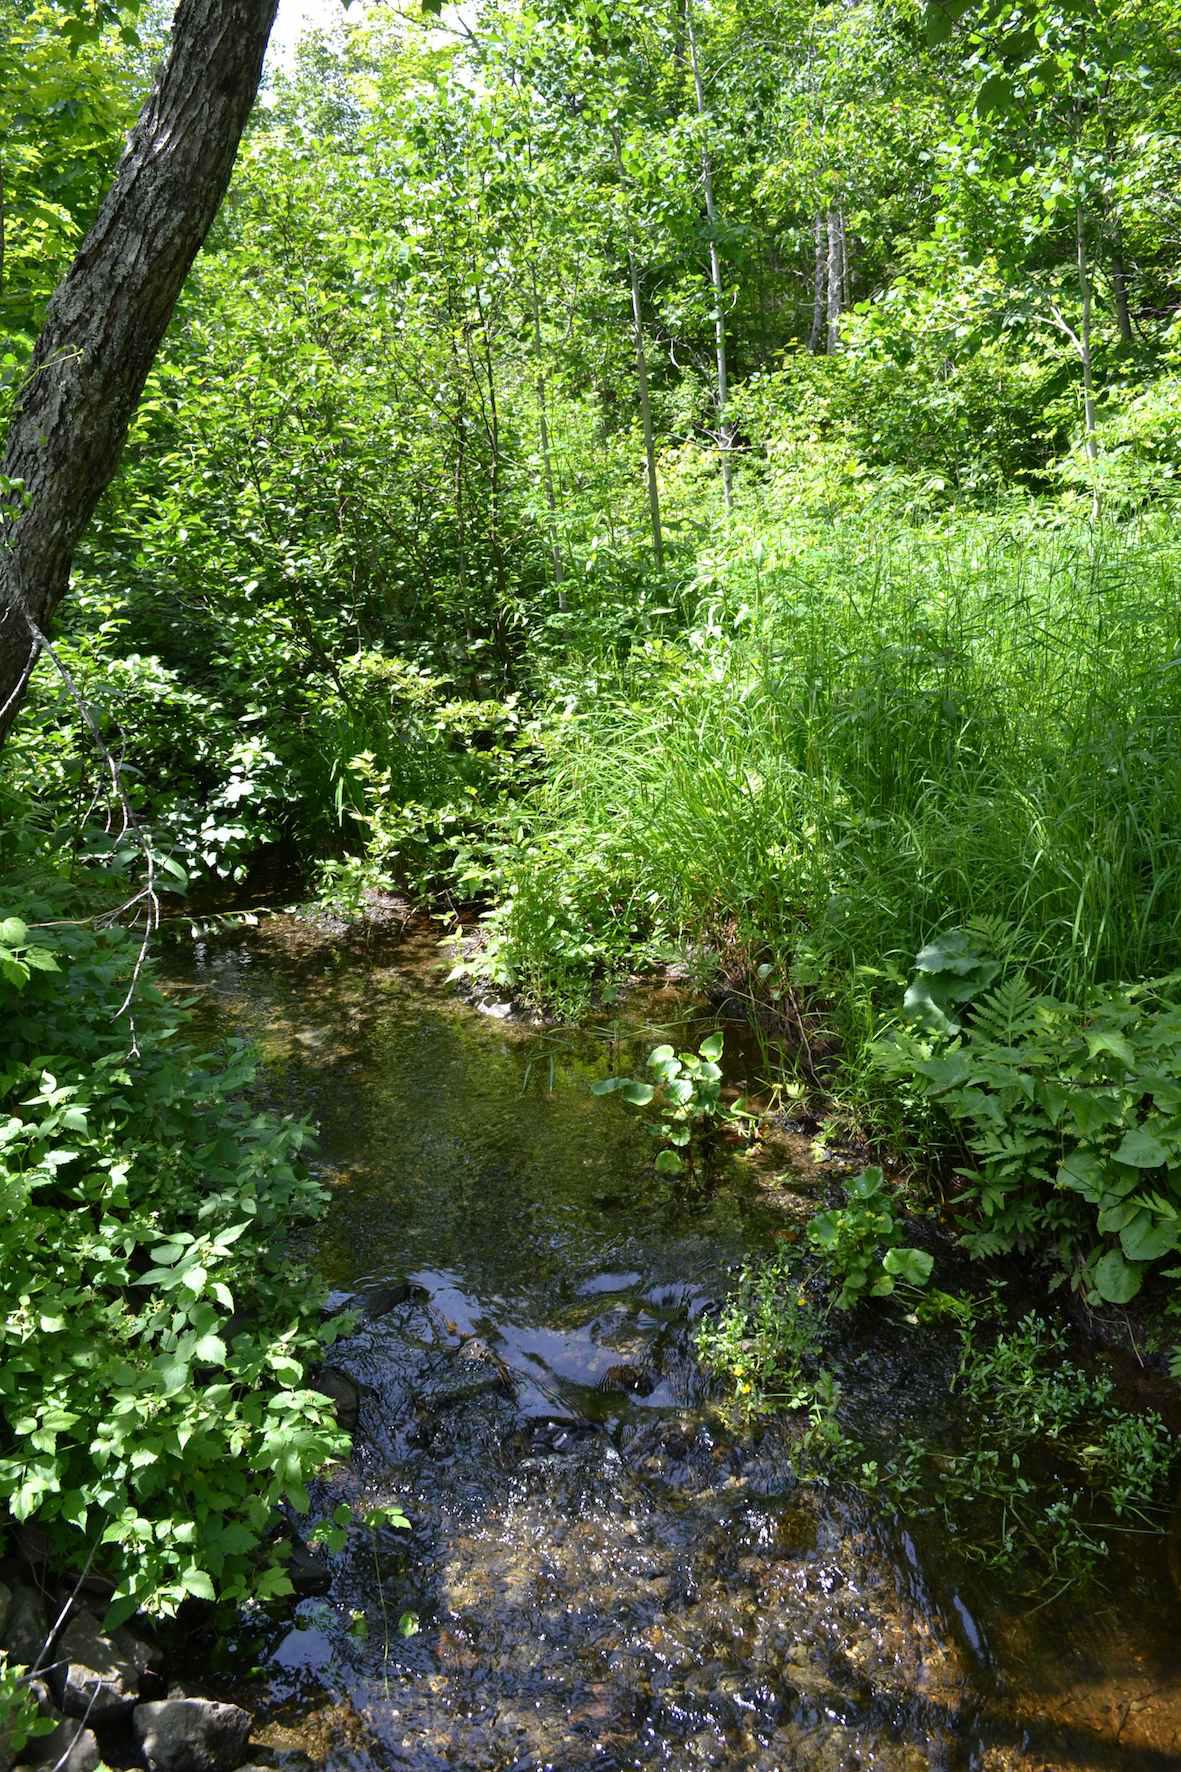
x=685, y=1095
x=20, y=1719
x=861, y=1243
x=767, y=1343
x=1072, y=1113
x=154, y=1399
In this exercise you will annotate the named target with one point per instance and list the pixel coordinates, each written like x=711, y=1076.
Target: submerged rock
x=373, y=1302
x=343, y=1393
x=626, y=1377
x=308, y=1570
x=191, y=1735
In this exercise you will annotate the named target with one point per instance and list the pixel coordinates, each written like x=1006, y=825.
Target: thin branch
x=147, y=896
x=1064, y=326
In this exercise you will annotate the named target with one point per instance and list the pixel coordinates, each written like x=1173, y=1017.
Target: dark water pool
x=605, y=1576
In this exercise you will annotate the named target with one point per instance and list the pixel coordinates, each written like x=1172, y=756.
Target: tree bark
x=641, y=350
x=1091, y=441
x=836, y=276
x=1119, y=284
x=819, y=287
x=646, y=413
x=108, y=316
x=725, y=435
x=547, y=471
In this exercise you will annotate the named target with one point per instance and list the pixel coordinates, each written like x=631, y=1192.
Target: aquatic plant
x=861, y=1244
x=685, y=1096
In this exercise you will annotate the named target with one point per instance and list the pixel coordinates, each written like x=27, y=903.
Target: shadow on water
x=603, y=1575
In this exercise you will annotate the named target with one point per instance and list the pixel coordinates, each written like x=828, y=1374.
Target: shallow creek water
x=606, y=1577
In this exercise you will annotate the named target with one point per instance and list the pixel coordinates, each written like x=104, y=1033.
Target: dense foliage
x=691, y=481
x=154, y=1405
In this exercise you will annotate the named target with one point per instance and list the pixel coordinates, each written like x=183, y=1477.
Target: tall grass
x=863, y=739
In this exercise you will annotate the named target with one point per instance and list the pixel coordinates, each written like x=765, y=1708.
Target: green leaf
x=212, y=1349
x=1105, y=1040
x=941, y=19
x=912, y=1265
x=668, y=1163
x=711, y=1047
x=1116, y=1280
x=638, y=1094
x=1140, y=1149
x=995, y=96
x=608, y=1085
x=1145, y=1239
x=1083, y=1173
x=195, y=1581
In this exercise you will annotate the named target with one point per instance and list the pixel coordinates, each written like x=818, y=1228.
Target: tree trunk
x=547, y=471
x=108, y=316
x=819, y=288
x=1119, y=284
x=1090, y=427
x=646, y=413
x=642, y=386
x=725, y=436
x=836, y=276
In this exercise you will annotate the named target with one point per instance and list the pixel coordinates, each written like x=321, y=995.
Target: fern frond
x=1006, y=1014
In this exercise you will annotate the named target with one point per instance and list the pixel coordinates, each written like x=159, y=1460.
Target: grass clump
x=861, y=741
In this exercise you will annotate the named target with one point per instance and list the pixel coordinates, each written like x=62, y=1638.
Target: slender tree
x=715, y=269
x=108, y=316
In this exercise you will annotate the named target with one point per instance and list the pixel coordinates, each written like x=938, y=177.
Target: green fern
x=1007, y=1014
x=1071, y=1115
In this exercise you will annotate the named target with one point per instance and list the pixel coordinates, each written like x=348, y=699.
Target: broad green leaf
x=196, y=1581
x=1116, y=1280
x=1107, y=1040
x=912, y=1265
x=1140, y=1149
x=1144, y=1238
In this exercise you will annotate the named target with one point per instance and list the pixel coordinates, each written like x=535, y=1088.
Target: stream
x=603, y=1575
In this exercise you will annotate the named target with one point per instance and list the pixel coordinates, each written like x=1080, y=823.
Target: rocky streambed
x=106, y=1694
x=597, y=1571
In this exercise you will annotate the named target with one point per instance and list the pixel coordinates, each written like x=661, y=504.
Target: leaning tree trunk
x=107, y=317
